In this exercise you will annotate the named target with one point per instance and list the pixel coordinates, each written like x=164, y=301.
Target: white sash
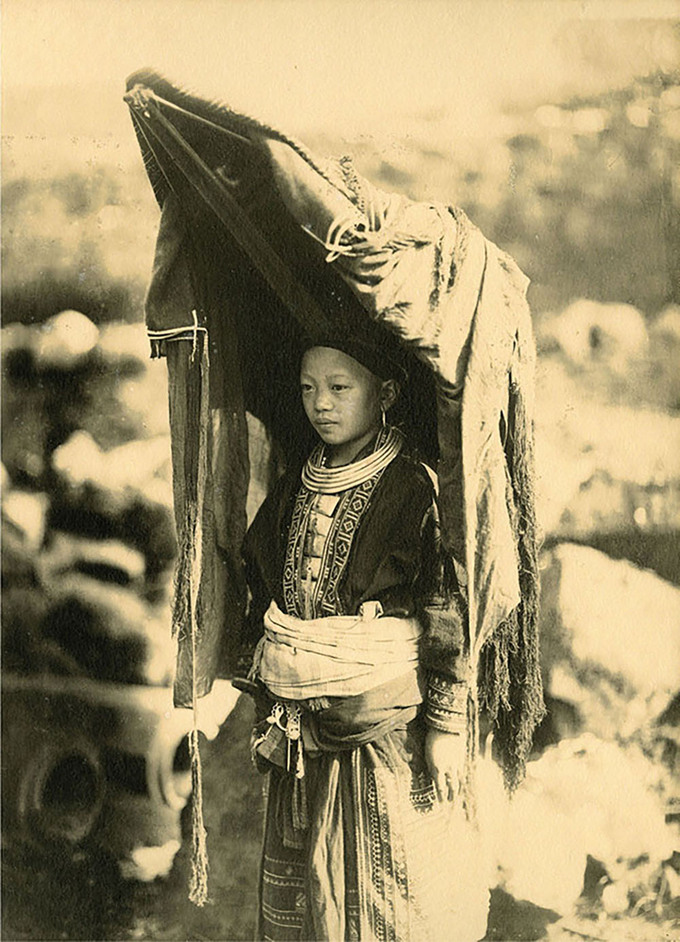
x=336, y=656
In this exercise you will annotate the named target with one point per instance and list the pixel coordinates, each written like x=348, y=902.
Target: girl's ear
x=389, y=394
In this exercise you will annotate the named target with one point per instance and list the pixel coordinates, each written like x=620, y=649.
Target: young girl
x=362, y=735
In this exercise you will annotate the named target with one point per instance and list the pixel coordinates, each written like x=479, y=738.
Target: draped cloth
x=261, y=247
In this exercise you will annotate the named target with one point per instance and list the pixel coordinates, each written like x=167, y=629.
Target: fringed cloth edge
x=510, y=683
x=185, y=614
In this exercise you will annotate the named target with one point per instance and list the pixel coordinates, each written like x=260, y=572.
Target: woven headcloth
x=382, y=359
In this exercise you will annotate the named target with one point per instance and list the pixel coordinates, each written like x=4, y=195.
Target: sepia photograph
x=340, y=470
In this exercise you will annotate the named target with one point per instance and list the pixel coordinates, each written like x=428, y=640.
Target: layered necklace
x=323, y=480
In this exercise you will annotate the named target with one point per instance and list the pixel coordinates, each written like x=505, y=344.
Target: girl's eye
x=305, y=387
x=337, y=387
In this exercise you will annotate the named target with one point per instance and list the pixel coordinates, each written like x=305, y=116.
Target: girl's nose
x=322, y=403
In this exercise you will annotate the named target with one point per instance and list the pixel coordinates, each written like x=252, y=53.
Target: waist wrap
x=336, y=656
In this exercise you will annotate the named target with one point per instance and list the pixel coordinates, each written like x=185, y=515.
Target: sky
x=343, y=66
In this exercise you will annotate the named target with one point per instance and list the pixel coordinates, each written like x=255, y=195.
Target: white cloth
x=335, y=656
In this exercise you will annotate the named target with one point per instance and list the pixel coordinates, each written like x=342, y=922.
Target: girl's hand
x=445, y=758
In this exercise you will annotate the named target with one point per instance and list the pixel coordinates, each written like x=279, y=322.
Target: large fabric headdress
x=261, y=246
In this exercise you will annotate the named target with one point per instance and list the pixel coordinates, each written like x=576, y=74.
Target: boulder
x=24, y=516
x=25, y=432
x=603, y=468
x=113, y=391
x=511, y=918
x=664, y=343
x=80, y=461
x=590, y=332
x=46, y=394
x=25, y=650
x=583, y=799
x=144, y=399
x=110, y=632
x=666, y=325
x=123, y=494
x=123, y=405
x=107, y=560
x=123, y=348
x=65, y=340
x=129, y=392
x=610, y=639
x=18, y=350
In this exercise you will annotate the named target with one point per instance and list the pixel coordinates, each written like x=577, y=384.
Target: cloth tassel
x=469, y=783
x=198, y=888
x=299, y=805
x=186, y=608
x=181, y=609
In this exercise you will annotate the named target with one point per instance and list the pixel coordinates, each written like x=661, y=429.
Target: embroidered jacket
x=383, y=546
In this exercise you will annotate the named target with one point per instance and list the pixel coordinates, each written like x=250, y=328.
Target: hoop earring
x=384, y=420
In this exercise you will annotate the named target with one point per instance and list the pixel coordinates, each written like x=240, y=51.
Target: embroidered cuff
x=446, y=707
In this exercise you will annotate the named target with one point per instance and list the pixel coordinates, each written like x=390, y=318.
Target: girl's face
x=342, y=400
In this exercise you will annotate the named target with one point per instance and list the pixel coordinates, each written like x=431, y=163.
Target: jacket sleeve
x=444, y=652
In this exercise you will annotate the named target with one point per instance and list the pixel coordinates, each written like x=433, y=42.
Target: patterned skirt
x=378, y=857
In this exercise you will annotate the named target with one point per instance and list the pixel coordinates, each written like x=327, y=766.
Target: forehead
x=327, y=361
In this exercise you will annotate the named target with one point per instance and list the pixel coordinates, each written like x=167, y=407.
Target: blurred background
x=556, y=126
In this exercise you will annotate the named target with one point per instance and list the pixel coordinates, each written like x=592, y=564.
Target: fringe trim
x=186, y=611
x=510, y=681
x=198, y=887
x=469, y=783
x=181, y=607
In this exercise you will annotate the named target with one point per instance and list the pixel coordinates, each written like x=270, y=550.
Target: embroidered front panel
x=294, y=550
x=283, y=899
x=385, y=893
x=345, y=524
x=323, y=599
